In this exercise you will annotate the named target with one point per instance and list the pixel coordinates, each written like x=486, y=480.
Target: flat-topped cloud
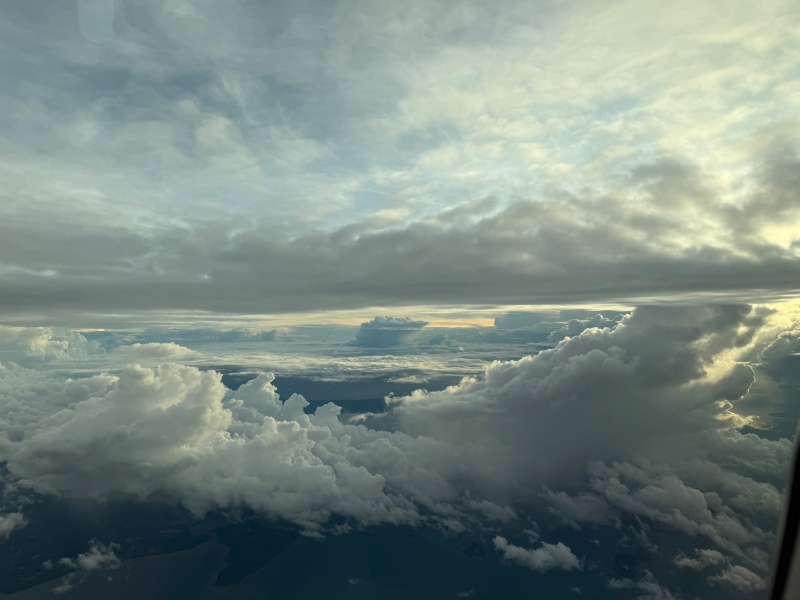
x=386, y=332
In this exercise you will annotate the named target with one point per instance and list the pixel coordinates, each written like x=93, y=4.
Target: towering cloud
x=37, y=346
x=385, y=332
x=545, y=558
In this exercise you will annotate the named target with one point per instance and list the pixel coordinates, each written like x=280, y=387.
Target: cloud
x=404, y=179
x=650, y=588
x=737, y=577
x=641, y=368
x=101, y=558
x=546, y=557
x=512, y=258
x=576, y=326
x=741, y=579
x=704, y=558
x=207, y=334
x=176, y=431
x=154, y=352
x=523, y=319
x=442, y=262
x=10, y=522
x=623, y=424
x=438, y=340
x=633, y=408
x=37, y=346
x=386, y=332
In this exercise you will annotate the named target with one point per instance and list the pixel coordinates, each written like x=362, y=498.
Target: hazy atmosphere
x=354, y=299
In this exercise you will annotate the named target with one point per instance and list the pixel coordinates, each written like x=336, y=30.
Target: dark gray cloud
x=302, y=161
x=386, y=332
x=590, y=249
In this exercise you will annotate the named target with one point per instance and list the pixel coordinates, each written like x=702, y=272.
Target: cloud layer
x=625, y=425
x=348, y=155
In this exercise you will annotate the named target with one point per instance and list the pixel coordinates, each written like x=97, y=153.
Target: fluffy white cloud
x=547, y=557
x=704, y=557
x=736, y=576
x=10, y=522
x=741, y=578
x=636, y=409
x=35, y=346
x=101, y=558
x=576, y=326
x=602, y=394
x=633, y=422
x=176, y=430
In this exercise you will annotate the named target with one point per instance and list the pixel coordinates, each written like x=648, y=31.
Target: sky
x=253, y=158
x=526, y=271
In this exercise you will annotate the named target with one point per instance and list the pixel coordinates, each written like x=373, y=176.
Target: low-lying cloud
x=99, y=559
x=634, y=421
x=546, y=557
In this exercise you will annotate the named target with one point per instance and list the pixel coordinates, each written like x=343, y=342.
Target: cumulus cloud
x=737, y=577
x=10, y=522
x=101, y=559
x=648, y=586
x=100, y=556
x=576, y=326
x=546, y=557
x=612, y=424
x=635, y=410
x=642, y=369
x=741, y=579
x=385, y=332
x=37, y=346
x=704, y=558
x=178, y=431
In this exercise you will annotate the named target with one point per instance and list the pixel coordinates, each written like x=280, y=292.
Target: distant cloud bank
x=386, y=332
